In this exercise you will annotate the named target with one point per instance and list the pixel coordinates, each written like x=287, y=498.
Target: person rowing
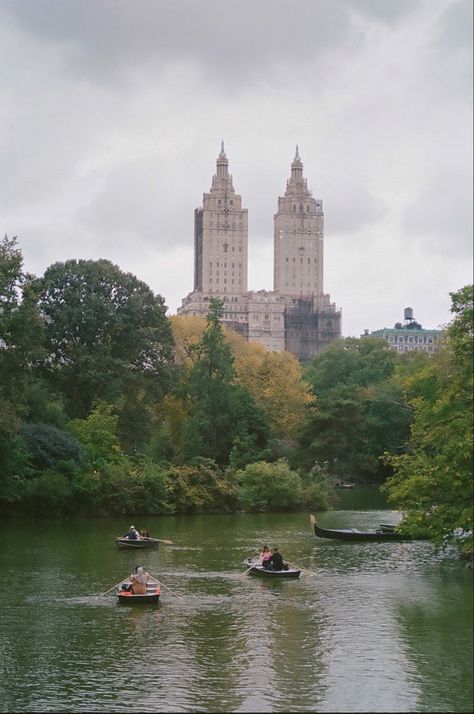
x=132, y=534
x=276, y=560
x=139, y=581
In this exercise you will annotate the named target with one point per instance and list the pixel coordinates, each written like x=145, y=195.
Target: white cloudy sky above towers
x=112, y=114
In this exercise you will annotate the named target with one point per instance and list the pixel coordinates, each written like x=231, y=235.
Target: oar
x=248, y=571
x=113, y=586
x=160, y=540
x=298, y=567
x=164, y=586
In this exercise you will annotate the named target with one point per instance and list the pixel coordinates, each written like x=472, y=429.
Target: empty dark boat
x=255, y=567
x=387, y=527
x=355, y=535
x=125, y=596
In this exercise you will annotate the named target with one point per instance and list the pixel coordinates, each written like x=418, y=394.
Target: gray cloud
x=242, y=40
x=112, y=112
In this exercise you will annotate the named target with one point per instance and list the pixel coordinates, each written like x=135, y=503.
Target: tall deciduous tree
x=432, y=481
x=105, y=330
x=359, y=412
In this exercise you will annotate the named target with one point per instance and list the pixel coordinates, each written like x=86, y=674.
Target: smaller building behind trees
x=409, y=336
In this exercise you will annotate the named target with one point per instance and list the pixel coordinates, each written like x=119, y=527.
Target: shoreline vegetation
x=109, y=407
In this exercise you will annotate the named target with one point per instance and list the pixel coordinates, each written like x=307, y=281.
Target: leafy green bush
x=98, y=435
x=132, y=486
x=50, y=494
x=201, y=487
x=269, y=487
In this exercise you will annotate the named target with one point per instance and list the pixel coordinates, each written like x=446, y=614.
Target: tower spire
x=222, y=163
x=297, y=166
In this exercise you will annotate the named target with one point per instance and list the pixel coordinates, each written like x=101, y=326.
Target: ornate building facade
x=297, y=315
x=409, y=336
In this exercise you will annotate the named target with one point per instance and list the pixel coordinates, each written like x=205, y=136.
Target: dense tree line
x=109, y=406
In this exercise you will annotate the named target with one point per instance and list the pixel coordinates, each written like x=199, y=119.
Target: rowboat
x=255, y=567
x=141, y=542
x=125, y=596
x=340, y=484
x=355, y=535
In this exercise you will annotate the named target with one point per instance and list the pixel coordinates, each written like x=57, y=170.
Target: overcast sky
x=112, y=113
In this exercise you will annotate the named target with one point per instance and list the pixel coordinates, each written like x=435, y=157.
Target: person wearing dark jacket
x=276, y=560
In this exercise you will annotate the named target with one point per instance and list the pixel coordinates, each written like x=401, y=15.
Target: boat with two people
x=255, y=567
x=135, y=539
x=383, y=534
x=141, y=542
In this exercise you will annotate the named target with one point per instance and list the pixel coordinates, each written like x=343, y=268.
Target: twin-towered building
x=297, y=315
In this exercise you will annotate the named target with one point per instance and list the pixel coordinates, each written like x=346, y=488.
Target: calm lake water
x=383, y=627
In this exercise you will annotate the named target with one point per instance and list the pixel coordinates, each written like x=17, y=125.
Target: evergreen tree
x=20, y=340
x=222, y=414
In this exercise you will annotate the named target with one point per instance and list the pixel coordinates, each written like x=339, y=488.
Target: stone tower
x=297, y=315
x=221, y=237
x=298, y=238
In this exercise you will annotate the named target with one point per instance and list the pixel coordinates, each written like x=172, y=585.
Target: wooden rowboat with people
x=135, y=539
x=142, y=542
x=255, y=567
x=127, y=596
